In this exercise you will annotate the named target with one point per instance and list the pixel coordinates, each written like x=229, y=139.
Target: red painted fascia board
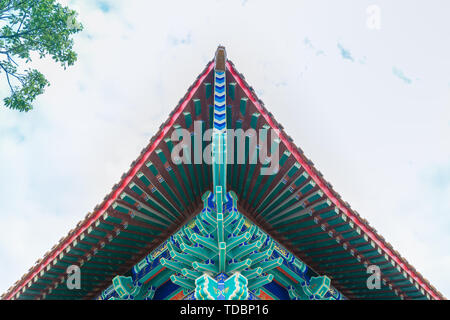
x=122, y=186
x=153, y=276
x=323, y=185
x=287, y=275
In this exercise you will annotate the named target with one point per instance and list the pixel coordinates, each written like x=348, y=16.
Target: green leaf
x=41, y=26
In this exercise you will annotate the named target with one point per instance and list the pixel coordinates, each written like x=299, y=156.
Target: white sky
x=371, y=109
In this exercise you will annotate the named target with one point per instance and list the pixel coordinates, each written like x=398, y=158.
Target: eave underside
x=153, y=201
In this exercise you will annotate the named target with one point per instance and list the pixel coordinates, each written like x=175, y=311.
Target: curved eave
x=58, y=250
x=332, y=195
x=101, y=242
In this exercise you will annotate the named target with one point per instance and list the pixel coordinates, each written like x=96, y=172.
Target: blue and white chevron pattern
x=219, y=101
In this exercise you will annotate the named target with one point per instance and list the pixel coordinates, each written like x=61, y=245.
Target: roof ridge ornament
x=220, y=59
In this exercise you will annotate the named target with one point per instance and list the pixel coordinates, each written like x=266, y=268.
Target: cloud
x=399, y=74
x=176, y=41
x=345, y=53
x=104, y=6
x=309, y=45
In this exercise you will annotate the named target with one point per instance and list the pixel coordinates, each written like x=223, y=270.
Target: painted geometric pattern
x=221, y=243
x=219, y=101
x=231, y=288
x=193, y=255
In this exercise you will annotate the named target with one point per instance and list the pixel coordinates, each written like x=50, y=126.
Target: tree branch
x=7, y=78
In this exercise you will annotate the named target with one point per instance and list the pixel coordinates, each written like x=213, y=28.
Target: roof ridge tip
x=220, y=58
